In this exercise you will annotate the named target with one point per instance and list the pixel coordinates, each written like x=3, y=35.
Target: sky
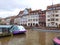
x=12, y=7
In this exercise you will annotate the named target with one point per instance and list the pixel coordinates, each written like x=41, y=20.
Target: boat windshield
x=21, y=27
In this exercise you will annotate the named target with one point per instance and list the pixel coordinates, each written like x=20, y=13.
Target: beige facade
x=53, y=16
x=33, y=20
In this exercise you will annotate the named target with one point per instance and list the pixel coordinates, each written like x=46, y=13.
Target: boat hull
x=16, y=32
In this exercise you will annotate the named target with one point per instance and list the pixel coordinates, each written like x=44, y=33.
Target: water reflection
x=15, y=40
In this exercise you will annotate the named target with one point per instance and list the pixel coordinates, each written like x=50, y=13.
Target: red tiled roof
x=30, y=11
x=55, y=5
x=21, y=12
x=34, y=11
x=10, y=17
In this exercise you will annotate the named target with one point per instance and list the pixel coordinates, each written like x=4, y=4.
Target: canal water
x=31, y=37
x=15, y=40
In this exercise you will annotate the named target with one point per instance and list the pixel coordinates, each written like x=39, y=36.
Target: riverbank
x=42, y=27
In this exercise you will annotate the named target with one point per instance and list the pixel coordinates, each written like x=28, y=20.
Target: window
x=0, y=29
x=53, y=15
x=33, y=23
x=56, y=19
x=28, y=23
x=36, y=19
x=56, y=11
x=29, y=20
x=48, y=19
x=52, y=19
x=4, y=29
x=52, y=23
x=48, y=12
x=48, y=24
x=56, y=24
x=33, y=19
x=48, y=15
x=57, y=15
x=34, y=13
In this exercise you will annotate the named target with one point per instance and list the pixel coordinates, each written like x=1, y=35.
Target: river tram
x=11, y=29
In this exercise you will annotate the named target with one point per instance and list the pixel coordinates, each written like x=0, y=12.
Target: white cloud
x=15, y=11
x=12, y=7
x=41, y=4
x=4, y=14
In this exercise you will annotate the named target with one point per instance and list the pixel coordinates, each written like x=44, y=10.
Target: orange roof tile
x=35, y=11
x=55, y=5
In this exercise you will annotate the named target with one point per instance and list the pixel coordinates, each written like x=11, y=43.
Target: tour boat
x=14, y=29
x=17, y=29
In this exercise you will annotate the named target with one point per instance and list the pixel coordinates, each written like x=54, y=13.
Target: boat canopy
x=16, y=27
x=5, y=26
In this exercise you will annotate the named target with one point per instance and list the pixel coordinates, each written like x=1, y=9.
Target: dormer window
x=57, y=15
x=25, y=11
x=52, y=8
x=57, y=7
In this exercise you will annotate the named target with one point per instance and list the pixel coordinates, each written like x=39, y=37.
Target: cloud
x=12, y=7
x=5, y=13
x=11, y=4
x=35, y=4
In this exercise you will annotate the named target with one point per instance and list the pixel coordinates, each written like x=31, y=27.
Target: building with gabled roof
x=30, y=17
x=10, y=20
x=53, y=15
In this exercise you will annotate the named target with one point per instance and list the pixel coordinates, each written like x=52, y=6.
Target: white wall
x=32, y=17
x=50, y=14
